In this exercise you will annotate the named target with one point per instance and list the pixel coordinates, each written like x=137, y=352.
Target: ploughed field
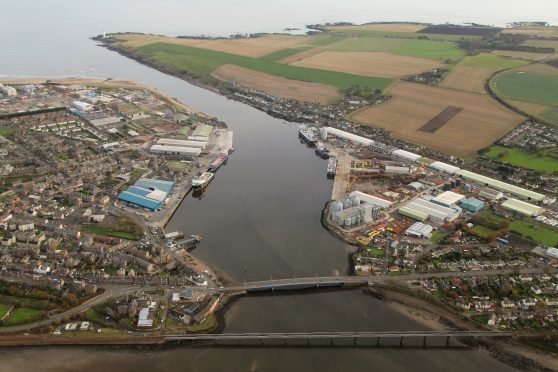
x=481, y=121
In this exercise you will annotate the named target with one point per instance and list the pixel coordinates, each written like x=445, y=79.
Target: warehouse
x=522, y=208
x=472, y=205
x=182, y=143
x=397, y=170
x=499, y=185
x=147, y=193
x=202, y=131
x=423, y=210
x=443, y=167
x=406, y=155
x=490, y=194
x=82, y=106
x=8, y=91
x=175, y=150
x=348, y=136
x=372, y=200
x=420, y=230
x=448, y=198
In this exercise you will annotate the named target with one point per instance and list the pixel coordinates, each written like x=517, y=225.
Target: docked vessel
x=307, y=136
x=217, y=163
x=322, y=150
x=203, y=179
x=331, y=167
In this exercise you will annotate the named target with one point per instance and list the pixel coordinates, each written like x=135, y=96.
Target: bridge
x=297, y=283
x=339, y=339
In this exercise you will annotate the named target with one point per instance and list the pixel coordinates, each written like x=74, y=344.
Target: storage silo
x=336, y=206
x=323, y=134
x=355, y=200
x=348, y=221
x=347, y=203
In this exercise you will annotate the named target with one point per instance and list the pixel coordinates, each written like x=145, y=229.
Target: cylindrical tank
x=453, y=184
x=353, y=220
x=347, y=203
x=323, y=134
x=355, y=200
x=446, y=186
x=336, y=206
x=348, y=221
x=458, y=182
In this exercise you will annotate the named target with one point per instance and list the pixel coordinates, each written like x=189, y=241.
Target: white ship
x=203, y=179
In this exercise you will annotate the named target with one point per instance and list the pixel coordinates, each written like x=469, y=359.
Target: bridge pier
x=424, y=341
x=447, y=341
x=401, y=341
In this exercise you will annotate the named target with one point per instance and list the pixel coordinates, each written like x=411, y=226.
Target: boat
x=203, y=179
x=218, y=162
x=331, y=167
x=307, y=136
x=322, y=150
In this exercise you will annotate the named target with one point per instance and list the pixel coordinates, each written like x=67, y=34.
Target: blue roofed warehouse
x=147, y=193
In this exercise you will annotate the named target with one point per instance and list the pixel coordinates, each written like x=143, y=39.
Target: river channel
x=259, y=218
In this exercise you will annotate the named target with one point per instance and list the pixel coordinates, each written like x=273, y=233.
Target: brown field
x=480, y=124
x=529, y=107
x=441, y=119
x=249, y=47
x=532, y=31
x=529, y=56
x=539, y=68
x=542, y=43
x=388, y=27
x=469, y=79
x=368, y=63
x=277, y=86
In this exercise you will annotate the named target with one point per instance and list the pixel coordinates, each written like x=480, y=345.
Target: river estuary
x=260, y=217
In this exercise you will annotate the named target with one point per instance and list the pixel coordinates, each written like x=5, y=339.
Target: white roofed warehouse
x=522, y=207
x=175, y=150
x=423, y=210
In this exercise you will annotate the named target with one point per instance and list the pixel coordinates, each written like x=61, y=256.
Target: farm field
x=471, y=73
x=539, y=68
x=522, y=158
x=389, y=27
x=532, y=31
x=542, y=43
x=368, y=63
x=285, y=53
x=550, y=115
x=365, y=30
x=527, y=87
x=249, y=47
x=202, y=62
x=528, y=56
x=408, y=47
x=481, y=122
x=277, y=86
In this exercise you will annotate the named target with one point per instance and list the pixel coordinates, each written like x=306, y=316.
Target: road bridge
x=345, y=339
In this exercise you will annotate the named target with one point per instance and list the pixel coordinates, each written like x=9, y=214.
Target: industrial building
x=352, y=216
x=552, y=252
x=396, y=170
x=182, y=143
x=175, y=150
x=472, y=205
x=372, y=200
x=448, y=198
x=147, y=193
x=521, y=207
x=423, y=210
x=201, y=131
x=82, y=106
x=406, y=155
x=420, y=230
x=346, y=135
x=499, y=185
x=8, y=91
x=490, y=194
x=443, y=167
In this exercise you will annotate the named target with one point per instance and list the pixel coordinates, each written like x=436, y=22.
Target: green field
x=284, y=53
x=535, y=232
x=528, y=229
x=492, y=62
x=3, y=310
x=24, y=315
x=200, y=62
x=527, y=87
x=482, y=231
x=325, y=39
x=106, y=231
x=408, y=47
x=550, y=115
x=5, y=131
x=521, y=158
x=400, y=35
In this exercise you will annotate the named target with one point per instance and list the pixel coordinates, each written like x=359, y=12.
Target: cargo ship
x=217, y=163
x=322, y=150
x=307, y=136
x=203, y=179
x=331, y=167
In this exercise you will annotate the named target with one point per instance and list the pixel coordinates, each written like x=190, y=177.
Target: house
x=507, y=304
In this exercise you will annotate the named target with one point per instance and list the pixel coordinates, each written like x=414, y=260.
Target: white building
x=82, y=106
x=8, y=91
x=183, y=143
x=420, y=230
x=448, y=198
x=406, y=155
x=175, y=150
x=348, y=136
x=443, y=167
x=370, y=199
